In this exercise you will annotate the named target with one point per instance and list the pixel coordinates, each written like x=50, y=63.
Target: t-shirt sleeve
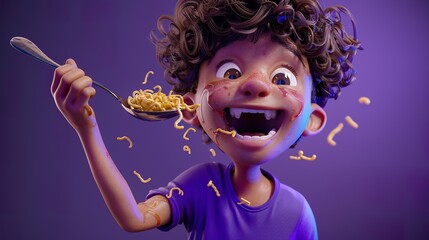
x=184, y=206
x=306, y=228
x=174, y=201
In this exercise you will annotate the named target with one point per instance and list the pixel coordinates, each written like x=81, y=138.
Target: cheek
x=217, y=93
x=284, y=92
x=294, y=100
x=291, y=93
x=211, y=98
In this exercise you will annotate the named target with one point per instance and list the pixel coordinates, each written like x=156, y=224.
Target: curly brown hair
x=200, y=27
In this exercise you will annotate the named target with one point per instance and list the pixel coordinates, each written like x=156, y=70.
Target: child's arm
x=72, y=90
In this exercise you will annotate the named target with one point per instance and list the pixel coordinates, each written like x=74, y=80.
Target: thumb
x=71, y=62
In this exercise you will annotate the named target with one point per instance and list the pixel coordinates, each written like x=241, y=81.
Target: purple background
x=372, y=185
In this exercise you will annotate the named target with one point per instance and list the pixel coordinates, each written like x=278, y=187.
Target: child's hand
x=71, y=90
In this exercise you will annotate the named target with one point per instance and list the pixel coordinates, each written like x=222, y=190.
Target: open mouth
x=254, y=124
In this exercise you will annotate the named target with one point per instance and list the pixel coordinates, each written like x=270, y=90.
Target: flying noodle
x=232, y=132
x=171, y=192
x=364, y=100
x=146, y=77
x=176, y=123
x=187, y=130
x=141, y=179
x=332, y=134
x=352, y=123
x=126, y=138
x=210, y=184
x=244, y=201
x=212, y=151
x=187, y=149
x=302, y=156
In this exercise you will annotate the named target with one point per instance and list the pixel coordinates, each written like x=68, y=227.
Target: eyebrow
x=223, y=62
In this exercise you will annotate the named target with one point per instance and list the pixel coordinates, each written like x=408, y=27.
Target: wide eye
x=283, y=76
x=228, y=70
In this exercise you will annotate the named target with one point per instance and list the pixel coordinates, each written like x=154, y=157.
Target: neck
x=251, y=184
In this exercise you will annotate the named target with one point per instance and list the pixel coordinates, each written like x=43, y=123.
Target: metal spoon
x=29, y=48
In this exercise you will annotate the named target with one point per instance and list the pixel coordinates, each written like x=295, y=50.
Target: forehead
x=265, y=48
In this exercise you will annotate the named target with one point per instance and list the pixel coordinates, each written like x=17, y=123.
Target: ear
x=190, y=117
x=317, y=120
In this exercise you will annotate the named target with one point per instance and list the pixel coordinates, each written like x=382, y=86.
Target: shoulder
x=190, y=197
x=298, y=207
x=286, y=199
x=294, y=201
x=193, y=179
x=203, y=171
x=291, y=195
x=290, y=202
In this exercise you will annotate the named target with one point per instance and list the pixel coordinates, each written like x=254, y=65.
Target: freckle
x=284, y=93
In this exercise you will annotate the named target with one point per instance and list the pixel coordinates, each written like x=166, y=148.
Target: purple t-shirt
x=286, y=215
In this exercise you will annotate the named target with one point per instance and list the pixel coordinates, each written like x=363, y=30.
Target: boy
x=261, y=70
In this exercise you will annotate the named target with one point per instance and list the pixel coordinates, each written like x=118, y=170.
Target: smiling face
x=262, y=91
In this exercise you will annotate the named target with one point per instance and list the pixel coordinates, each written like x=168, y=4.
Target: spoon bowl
x=27, y=47
x=151, y=115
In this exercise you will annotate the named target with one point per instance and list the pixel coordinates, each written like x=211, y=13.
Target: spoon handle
x=27, y=47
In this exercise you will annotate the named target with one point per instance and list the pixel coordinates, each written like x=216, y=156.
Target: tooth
x=235, y=112
x=265, y=137
x=252, y=111
x=268, y=114
x=256, y=138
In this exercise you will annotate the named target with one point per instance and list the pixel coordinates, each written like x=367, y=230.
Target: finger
x=84, y=96
x=66, y=81
x=58, y=74
x=76, y=88
x=60, y=71
x=70, y=61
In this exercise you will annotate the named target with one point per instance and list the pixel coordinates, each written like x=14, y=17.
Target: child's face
x=243, y=78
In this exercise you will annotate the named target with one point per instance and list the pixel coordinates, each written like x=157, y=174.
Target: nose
x=255, y=85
